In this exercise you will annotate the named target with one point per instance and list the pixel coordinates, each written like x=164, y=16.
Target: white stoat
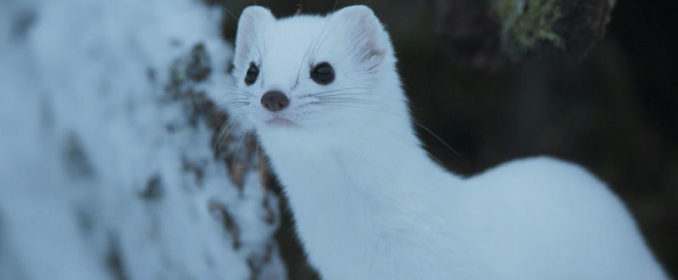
x=325, y=99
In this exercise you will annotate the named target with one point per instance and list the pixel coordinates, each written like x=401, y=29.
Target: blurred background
x=116, y=108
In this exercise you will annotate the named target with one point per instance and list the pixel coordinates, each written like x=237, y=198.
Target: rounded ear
x=252, y=20
x=370, y=42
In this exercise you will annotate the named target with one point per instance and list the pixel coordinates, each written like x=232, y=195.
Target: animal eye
x=252, y=74
x=322, y=73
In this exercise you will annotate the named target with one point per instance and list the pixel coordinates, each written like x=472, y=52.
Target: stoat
x=325, y=99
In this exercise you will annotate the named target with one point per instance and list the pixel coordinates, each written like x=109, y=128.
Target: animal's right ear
x=366, y=33
x=251, y=22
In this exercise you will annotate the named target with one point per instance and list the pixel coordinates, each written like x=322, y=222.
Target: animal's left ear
x=250, y=26
x=364, y=30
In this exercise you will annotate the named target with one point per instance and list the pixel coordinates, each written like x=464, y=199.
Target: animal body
x=325, y=99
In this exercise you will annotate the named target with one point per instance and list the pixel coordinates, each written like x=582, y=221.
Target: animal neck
x=347, y=194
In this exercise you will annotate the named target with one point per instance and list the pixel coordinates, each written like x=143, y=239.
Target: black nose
x=274, y=101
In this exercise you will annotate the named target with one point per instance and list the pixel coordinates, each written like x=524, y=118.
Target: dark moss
x=75, y=158
x=198, y=67
x=114, y=259
x=528, y=22
x=220, y=211
x=153, y=189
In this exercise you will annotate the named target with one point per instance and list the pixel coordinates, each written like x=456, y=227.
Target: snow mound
x=107, y=171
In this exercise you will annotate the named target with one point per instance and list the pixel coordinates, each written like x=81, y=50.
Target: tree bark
x=484, y=32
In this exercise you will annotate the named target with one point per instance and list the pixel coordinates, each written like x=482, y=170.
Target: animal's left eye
x=252, y=74
x=323, y=73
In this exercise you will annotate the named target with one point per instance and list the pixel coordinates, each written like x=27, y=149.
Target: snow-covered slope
x=106, y=169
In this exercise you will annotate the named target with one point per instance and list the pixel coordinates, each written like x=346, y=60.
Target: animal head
x=315, y=74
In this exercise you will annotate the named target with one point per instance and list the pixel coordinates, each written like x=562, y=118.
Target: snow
x=92, y=181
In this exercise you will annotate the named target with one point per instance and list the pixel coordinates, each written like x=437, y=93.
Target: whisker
x=325, y=37
x=322, y=38
x=233, y=120
x=229, y=13
x=399, y=136
x=350, y=98
x=306, y=53
x=234, y=89
x=336, y=90
x=238, y=147
x=394, y=114
x=237, y=99
x=228, y=102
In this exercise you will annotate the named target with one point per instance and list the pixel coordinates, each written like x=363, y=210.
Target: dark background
x=614, y=111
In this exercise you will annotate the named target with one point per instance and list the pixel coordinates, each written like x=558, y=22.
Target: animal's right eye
x=322, y=73
x=252, y=74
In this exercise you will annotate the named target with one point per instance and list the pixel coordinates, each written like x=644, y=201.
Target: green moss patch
x=529, y=22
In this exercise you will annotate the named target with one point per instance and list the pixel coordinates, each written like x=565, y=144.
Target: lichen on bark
x=527, y=23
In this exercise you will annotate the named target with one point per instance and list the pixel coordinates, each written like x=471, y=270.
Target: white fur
x=370, y=204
